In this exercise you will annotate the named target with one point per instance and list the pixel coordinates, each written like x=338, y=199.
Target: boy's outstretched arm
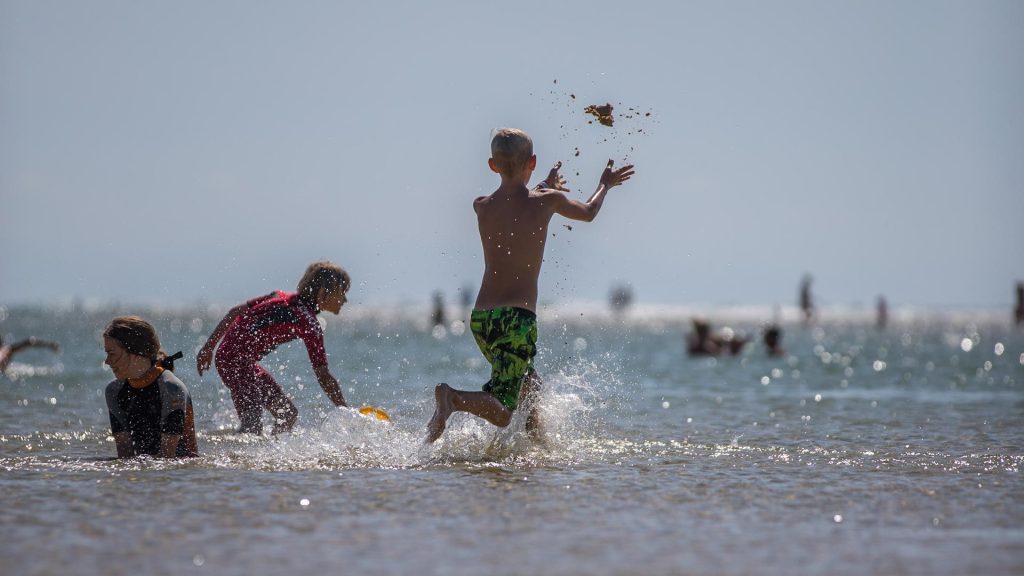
x=330, y=385
x=587, y=211
x=205, y=356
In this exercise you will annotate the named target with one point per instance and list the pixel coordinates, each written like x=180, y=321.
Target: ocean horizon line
x=570, y=311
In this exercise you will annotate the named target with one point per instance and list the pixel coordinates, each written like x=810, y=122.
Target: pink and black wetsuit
x=268, y=322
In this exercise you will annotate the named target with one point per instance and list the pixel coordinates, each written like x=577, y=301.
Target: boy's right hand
x=555, y=181
x=612, y=178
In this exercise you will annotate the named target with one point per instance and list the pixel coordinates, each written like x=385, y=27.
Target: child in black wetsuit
x=150, y=409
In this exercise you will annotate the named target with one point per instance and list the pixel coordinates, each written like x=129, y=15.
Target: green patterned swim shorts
x=508, y=338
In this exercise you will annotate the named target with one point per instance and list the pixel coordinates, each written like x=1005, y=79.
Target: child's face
x=332, y=300
x=118, y=358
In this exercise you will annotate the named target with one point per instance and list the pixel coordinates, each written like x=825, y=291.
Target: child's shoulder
x=481, y=201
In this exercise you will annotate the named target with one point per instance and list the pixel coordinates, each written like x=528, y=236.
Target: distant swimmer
x=255, y=328
x=513, y=224
x=7, y=351
x=773, y=341
x=465, y=298
x=437, y=313
x=702, y=342
x=1018, y=312
x=621, y=298
x=806, y=303
x=150, y=409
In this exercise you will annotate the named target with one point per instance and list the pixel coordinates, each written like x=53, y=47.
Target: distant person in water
x=513, y=224
x=773, y=341
x=255, y=328
x=465, y=297
x=437, y=314
x=1018, y=312
x=806, y=301
x=621, y=297
x=150, y=409
x=882, y=315
x=702, y=342
x=7, y=351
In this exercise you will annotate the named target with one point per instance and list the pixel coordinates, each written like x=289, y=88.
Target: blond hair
x=322, y=274
x=511, y=149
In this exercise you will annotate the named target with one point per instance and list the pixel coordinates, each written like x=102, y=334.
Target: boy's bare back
x=513, y=231
x=513, y=224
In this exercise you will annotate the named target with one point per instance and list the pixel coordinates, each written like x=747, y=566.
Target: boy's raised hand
x=612, y=178
x=556, y=181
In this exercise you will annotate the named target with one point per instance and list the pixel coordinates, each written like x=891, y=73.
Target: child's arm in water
x=8, y=352
x=330, y=385
x=587, y=211
x=33, y=342
x=205, y=356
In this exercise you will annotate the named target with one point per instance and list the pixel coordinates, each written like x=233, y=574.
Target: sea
x=861, y=450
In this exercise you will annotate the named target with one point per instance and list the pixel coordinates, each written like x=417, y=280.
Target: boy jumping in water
x=513, y=223
x=253, y=329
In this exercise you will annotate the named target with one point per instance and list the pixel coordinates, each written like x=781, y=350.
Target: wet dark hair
x=139, y=337
x=322, y=274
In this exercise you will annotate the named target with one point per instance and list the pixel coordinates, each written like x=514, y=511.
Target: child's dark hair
x=139, y=337
x=322, y=274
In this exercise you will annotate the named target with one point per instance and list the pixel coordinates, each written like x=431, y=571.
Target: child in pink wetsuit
x=252, y=330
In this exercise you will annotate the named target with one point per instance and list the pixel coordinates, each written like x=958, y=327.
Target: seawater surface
x=861, y=451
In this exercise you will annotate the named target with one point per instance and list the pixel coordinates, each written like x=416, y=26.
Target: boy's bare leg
x=531, y=395
x=480, y=404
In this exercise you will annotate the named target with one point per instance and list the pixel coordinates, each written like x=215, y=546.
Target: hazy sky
x=158, y=151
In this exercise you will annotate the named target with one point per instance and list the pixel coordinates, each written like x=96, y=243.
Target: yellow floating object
x=377, y=413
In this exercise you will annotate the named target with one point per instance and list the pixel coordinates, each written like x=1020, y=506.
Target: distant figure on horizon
x=437, y=313
x=1018, y=312
x=621, y=297
x=255, y=328
x=7, y=351
x=465, y=298
x=150, y=409
x=882, y=316
x=806, y=303
x=773, y=341
x=702, y=342
x=513, y=224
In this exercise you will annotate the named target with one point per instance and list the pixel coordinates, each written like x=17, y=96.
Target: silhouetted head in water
x=772, y=340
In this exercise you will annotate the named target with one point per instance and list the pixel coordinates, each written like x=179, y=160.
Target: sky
x=208, y=151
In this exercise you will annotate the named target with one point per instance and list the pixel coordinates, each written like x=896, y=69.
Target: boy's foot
x=444, y=405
